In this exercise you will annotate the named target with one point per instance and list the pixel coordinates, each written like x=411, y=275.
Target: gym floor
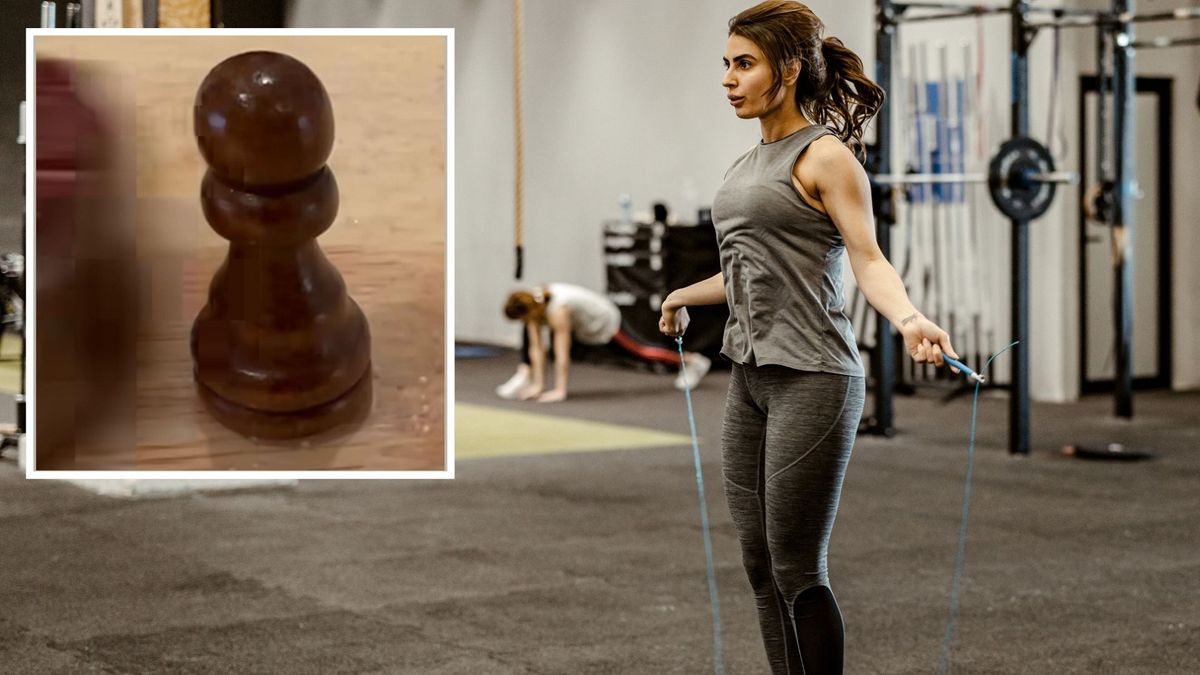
x=591, y=560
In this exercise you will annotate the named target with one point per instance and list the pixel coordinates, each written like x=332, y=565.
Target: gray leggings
x=786, y=443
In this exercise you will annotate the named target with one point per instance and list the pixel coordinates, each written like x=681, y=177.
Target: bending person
x=575, y=313
x=787, y=211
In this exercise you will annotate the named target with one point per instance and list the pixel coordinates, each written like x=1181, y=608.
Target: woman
x=786, y=211
x=575, y=313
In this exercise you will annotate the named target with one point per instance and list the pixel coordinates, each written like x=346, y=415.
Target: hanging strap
x=519, y=143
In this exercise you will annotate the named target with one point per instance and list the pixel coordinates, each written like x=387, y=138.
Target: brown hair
x=832, y=88
x=526, y=305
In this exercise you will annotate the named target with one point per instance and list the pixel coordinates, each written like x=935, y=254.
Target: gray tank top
x=782, y=261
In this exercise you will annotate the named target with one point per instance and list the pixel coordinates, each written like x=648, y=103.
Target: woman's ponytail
x=844, y=98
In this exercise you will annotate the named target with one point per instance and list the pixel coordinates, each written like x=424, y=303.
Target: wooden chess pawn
x=280, y=349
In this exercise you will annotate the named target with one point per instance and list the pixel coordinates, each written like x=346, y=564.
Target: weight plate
x=1010, y=180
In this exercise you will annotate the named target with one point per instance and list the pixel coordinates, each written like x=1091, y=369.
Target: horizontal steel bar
x=1179, y=13
x=947, y=15
x=1066, y=11
x=1069, y=177
x=926, y=178
x=951, y=6
x=1106, y=19
x=1063, y=177
x=1069, y=22
x=1160, y=42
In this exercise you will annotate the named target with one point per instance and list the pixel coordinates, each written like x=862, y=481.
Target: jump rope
x=718, y=660
x=960, y=555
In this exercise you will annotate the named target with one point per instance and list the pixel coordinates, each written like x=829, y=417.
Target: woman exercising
x=785, y=213
x=575, y=313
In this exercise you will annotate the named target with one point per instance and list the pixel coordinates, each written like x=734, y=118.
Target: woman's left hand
x=927, y=342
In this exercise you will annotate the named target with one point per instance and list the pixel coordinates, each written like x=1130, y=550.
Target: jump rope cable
x=960, y=556
x=718, y=660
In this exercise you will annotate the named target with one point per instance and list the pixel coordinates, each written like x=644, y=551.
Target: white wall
x=1183, y=64
x=625, y=96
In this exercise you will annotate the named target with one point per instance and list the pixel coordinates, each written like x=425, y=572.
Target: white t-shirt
x=594, y=318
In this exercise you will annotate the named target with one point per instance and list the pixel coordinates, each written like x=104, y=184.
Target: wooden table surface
x=389, y=240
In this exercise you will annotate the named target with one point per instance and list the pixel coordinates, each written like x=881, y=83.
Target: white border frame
x=224, y=476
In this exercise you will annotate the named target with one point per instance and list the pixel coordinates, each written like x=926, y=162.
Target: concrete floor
x=593, y=562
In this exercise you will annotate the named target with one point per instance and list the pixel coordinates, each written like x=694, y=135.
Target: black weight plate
x=1015, y=195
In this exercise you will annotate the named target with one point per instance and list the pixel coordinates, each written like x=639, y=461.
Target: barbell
x=958, y=178
x=1021, y=178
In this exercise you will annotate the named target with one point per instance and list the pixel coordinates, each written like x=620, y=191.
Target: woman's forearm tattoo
x=910, y=318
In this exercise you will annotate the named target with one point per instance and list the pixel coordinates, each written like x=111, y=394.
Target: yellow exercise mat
x=480, y=431
x=10, y=363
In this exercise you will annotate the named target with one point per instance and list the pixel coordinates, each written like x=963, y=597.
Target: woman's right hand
x=674, y=320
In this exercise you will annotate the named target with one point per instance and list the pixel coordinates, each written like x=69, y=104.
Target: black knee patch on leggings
x=819, y=631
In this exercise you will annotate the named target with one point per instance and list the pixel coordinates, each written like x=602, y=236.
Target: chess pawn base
x=347, y=410
x=268, y=363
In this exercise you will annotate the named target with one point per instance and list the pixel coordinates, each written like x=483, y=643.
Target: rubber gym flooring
x=591, y=561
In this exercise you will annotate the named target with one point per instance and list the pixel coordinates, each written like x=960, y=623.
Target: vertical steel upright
x=1123, y=227
x=883, y=357
x=1018, y=407
x=26, y=285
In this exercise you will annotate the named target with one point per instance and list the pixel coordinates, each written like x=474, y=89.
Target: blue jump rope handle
x=965, y=370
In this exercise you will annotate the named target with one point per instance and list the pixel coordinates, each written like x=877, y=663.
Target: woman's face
x=748, y=78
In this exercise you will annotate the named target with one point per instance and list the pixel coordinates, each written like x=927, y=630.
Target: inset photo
x=239, y=252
